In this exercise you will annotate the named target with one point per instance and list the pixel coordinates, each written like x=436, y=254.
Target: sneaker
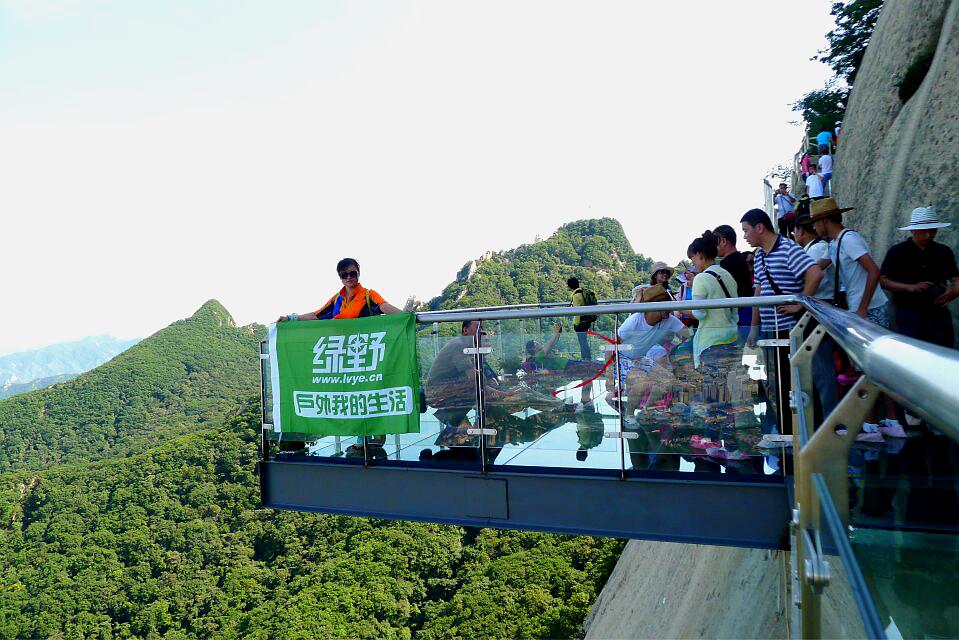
x=891, y=429
x=721, y=453
x=699, y=442
x=869, y=433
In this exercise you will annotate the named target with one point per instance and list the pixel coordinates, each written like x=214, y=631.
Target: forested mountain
x=171, y=543
x=187, y=375
x=59, y=359
x=595, y=251
x=154, y=528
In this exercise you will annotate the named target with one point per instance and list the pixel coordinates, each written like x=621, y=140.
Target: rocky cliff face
x=900, y=139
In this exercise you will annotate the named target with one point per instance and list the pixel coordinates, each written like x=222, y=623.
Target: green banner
x=346, y=377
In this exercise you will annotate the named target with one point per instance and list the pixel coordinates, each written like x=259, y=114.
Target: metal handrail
x=918, y=375
x=532, y=305
x=606, y=309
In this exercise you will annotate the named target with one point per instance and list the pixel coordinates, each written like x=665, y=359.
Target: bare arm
x=812, y=278
x=889, y=284
x=387, y=308
x=872, y=281
x=557, y=329
x=951, y=293
x=299, y=316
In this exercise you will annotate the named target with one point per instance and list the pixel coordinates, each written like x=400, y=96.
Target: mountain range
x=129, y=507
x=57, y=360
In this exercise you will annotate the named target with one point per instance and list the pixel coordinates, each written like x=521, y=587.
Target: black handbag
x=839, y=298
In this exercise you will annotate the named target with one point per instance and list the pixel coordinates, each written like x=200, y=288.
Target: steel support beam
x=662, y=507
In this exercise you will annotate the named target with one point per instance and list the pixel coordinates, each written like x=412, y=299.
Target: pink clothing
x=804, y=163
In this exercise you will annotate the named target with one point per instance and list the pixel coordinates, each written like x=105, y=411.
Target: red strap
x=609, y=361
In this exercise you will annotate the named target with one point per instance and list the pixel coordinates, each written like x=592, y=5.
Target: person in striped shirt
x=781, y=268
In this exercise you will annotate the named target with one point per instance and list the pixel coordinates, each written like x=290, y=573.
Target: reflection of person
x=589, y=432
x=921, y=274
x=539, y=357
x=352, y=301
x=649, y=336
x=451, y=382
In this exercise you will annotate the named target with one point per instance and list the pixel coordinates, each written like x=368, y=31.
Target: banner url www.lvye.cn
x=348, y=379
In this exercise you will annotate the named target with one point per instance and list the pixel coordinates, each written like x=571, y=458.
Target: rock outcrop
x=899, y=147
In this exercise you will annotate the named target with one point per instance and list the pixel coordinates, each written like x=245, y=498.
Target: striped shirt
x=786, y=264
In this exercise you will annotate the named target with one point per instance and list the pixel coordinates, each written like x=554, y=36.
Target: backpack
x=589, y=300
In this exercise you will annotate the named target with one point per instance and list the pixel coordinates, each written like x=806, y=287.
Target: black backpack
x=589, y=300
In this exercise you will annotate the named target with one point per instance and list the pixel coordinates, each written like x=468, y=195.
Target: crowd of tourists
x=703, y=348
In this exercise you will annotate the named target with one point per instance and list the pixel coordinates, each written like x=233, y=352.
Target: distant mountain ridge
x=74, y=357
x=16, y=388
x=596, y=251
x=190, y=374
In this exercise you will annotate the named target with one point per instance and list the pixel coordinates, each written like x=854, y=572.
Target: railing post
x=264, y=441
x=621, y=387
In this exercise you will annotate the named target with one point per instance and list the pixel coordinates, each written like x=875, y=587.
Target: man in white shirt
x=785, y=209
x=856, y=269
x=825, y=169
x=824, y=371
x=814, y=185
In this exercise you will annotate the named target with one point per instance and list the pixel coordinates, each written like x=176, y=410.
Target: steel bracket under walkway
x=665, y=506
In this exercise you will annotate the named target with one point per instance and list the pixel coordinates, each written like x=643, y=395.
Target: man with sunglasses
x=352, y=301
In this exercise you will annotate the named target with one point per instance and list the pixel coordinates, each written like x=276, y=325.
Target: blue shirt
x=825, y=137
x=786, y=264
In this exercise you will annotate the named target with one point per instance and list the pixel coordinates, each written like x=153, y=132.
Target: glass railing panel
x=697, y=399
x=847, y=607
x=904, y=527
x=448, y=384
x=548, y=401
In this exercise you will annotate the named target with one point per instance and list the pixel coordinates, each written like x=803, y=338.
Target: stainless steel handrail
x=605, y=309
x=918, y=375
x=532, y=305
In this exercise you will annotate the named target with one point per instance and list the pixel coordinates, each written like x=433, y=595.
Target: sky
x=156, y=155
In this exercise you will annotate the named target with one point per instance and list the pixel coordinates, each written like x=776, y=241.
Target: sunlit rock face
x=899, y=147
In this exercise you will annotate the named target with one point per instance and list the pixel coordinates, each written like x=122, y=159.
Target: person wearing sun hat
x=922, y=277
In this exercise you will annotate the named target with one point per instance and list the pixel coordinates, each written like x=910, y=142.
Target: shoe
x=721, y=453
x=699, y=442
x=631, y=423
x=891, y=429
x=869, y=433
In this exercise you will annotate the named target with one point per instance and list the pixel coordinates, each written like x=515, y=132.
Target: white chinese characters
x=354, y=353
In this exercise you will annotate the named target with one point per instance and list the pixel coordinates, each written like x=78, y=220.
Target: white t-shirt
x=825, y=163
x=820, y=251
x=813, y=185
x=783, y=205
x=851, y=273
x=642, y=337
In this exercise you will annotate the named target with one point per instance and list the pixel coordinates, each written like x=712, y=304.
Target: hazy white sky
x=155, y=155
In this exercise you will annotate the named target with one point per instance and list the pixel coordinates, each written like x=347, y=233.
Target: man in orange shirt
x=352, y=301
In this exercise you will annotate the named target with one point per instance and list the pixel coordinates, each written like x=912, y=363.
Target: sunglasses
x=349, y=274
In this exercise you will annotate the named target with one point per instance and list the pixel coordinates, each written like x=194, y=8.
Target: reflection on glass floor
x=904, y=512
x=579, y=435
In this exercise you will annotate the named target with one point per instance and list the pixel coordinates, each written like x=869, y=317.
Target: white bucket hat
x=924, y=218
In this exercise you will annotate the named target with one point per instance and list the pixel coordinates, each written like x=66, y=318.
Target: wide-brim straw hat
x=660, y=266
x=656, y=293
x=924, y=218
x=824, y=208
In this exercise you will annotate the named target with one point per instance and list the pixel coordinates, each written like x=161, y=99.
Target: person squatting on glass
x=645, y=366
